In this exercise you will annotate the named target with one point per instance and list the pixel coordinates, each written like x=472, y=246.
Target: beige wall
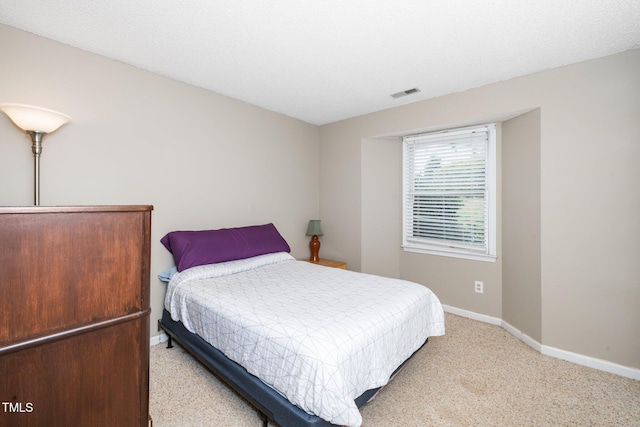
x=203, y=160
x=586, y=283
x=381, y=206
x=521, y=268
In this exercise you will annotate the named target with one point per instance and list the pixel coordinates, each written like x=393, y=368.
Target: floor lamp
x=35, y=122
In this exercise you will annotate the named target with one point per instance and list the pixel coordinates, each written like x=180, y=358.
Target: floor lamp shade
x=36, y=122
x=34, y=119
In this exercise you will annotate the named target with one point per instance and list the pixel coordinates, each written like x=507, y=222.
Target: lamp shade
x=35, y=119
x=314, y=228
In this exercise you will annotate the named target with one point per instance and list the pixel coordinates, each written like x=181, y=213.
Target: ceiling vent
x=405, y=93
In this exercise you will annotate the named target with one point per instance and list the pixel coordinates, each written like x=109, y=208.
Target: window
x=449, y=191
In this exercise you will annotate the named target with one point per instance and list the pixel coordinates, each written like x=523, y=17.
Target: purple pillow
x=192, y=248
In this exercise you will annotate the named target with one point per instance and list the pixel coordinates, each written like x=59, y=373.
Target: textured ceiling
x=326, y=60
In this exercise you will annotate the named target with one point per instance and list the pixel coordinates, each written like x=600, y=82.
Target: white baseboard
x=579, y=359
x=161, y=337
x=472, y=315
x=522, y=336
x=592, y=362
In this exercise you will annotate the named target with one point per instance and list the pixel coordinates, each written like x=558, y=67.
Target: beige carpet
x=475, y=375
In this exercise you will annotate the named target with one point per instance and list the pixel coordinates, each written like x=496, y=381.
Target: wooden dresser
x=74, y=316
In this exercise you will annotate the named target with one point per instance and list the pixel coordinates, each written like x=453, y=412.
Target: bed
x=307, y=345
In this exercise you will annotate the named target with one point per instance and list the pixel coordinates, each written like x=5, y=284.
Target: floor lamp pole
x=36, y=138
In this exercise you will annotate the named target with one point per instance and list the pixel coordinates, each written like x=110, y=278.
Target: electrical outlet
x=479, y=287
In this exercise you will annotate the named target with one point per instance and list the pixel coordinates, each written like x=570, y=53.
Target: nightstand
x=330, y=263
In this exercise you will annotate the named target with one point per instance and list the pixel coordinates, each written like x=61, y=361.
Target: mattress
x=265, y=399
x=318, y=336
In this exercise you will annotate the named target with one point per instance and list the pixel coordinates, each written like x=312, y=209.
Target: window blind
x=446, y=190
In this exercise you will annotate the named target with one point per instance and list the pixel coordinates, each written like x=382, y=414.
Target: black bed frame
x=270, y=404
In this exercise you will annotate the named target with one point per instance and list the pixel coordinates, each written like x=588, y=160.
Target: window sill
x=452, y=254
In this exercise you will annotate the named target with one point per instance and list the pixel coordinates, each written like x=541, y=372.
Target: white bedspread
x=319, y=336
